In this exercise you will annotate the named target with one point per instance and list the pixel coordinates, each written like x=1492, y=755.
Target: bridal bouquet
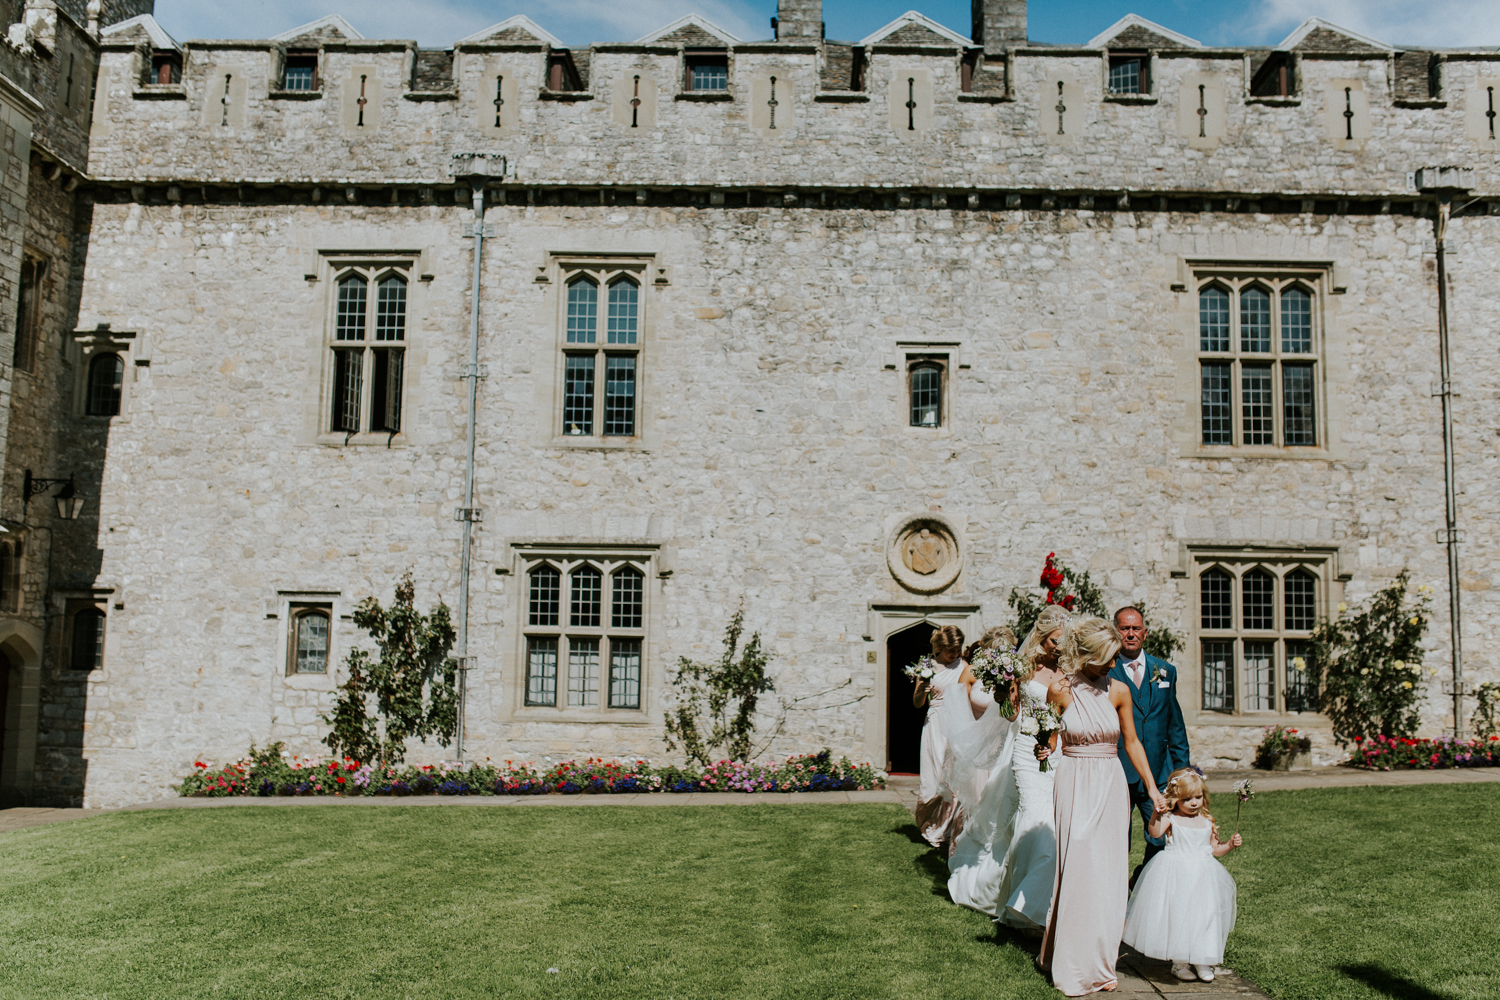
x=997, y=670
x=1041, y=721
x=922, y=670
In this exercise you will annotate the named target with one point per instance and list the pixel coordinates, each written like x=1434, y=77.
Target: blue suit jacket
x=1158, y=721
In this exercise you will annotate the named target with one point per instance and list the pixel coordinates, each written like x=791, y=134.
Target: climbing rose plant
x=1368, y=663
x=715, y=701
x=412, y=682
x=1077, y=593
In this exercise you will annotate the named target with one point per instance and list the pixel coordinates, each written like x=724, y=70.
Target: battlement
x=912, y=105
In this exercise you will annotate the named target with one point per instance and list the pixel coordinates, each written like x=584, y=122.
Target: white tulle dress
x=1183, y=907
x=1004, y=861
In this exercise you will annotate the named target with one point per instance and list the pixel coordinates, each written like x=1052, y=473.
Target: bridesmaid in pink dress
x=1092, y=810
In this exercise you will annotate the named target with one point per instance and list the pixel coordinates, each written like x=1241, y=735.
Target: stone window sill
x=565, y=95
x=575, y=716
x=969, y=98
x=842, y=97
x=1315, y=454
x=431, y=95
x=704, y=96
x=584, y=442
x=295, y=95
x=1130, y=99
x=363, y=439
x=1297, y=720
x=310, y=682
x=1418, y=102
x=1276, y=102
x=160, y=92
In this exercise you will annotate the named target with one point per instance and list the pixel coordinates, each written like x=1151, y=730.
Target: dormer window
x=1129, y=73
x=1275, y=77
x=562, y=75
x=166, y=67
x=707, y=71
x=301, y=72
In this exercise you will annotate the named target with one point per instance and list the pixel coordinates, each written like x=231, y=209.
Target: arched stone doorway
x=903, y=734
x=7, y=675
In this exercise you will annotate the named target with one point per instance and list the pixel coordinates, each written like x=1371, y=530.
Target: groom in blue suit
x=1158, y=718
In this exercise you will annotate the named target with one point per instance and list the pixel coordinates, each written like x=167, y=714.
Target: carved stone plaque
x=923, y=553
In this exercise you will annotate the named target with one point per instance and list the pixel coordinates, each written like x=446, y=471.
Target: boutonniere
x=1159, y=674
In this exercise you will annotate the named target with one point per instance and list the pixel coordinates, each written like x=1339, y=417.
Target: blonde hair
x=947, y=637
x=1052, y=618
x=1185, y=783
x=998, y=637
x=1089, y=641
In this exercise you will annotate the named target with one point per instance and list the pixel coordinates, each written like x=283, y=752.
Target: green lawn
x=1359, y=893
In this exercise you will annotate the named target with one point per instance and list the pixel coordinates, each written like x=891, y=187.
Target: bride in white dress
x=1004, y=861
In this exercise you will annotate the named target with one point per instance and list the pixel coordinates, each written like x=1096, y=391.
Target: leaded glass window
x=1218, y=675
x=1259, y=592
x=601, y=351
x=541, y=670
x=1257, y=409
x=1255, y=321
x=598, y=644
x=368, y=343
x=927, y=395
x=624, y=310
x=625, y=673
x=1213, y=319
x=1258, y=346
x=583, y=673
x=1125, y=76
x=310, y=638
x=1218, y=403
x=1258, y=660
x=626, y=598
x=583, y=606
x=105, y=385
x=1217, y=588
x=87, y=652
x=545, y=595
x=708, y=72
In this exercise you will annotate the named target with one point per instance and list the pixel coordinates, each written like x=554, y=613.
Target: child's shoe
x=1205, y=972
x=1184, y=972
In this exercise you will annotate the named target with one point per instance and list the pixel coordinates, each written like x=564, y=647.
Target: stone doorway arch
x=20, y=694
x=904, y=721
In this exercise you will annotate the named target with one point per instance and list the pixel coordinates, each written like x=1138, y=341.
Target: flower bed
x=273, y=771
x=1386, y=753
x=1278, y=743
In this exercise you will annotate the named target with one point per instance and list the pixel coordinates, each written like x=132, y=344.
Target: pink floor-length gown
x=1092, y=810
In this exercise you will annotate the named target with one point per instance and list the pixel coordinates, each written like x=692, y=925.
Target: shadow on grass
x=930, y=861
x=1389, y=983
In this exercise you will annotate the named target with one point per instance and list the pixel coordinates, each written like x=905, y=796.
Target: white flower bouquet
x=923, y=670
x=1041, y=721
x=998, y=669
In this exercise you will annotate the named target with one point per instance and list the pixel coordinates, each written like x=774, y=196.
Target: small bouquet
x=922, y=670
x=1041, y=721
x=997, y=670
x=1242, y=794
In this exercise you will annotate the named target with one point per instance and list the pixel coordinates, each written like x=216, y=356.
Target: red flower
x=1067, y=602
x=199, y=763
x=340, y=779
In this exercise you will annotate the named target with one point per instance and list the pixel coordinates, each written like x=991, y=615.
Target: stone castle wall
x=775, y=452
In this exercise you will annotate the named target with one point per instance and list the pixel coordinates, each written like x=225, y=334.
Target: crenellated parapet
x=914, y=105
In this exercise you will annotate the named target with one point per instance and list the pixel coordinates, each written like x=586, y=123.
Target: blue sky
x=1443, y=23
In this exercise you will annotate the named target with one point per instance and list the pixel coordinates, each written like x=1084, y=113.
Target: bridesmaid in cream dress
x=1092, y=813
x=936, y=808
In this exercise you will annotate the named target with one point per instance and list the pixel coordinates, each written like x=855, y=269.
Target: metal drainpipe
x=1455, y=611
x=471, y=373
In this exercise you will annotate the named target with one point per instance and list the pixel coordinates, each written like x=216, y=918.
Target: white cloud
x=1439, y=23
x=442, y=22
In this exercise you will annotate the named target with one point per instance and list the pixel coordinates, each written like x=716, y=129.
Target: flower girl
x=1183, y=907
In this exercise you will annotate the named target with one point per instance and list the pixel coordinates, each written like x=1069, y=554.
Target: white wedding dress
x=1004, y=862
